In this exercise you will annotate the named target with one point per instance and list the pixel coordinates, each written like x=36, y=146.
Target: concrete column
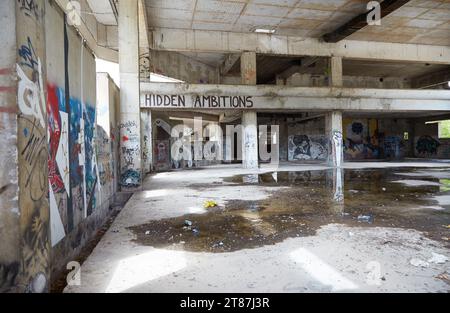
x=333, y=130
x=250, y=140
x=249, y=118
x=336, y=79
x=129, y=115
x=147, y=140
x=248, y=68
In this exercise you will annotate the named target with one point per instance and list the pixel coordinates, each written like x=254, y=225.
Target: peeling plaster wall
x=179, y=66
x=9, y=206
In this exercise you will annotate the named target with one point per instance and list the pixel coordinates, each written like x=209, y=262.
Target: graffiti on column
x=130, y=152
x=337, y=147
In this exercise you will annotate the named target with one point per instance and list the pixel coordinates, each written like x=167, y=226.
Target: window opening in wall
x=443, y=128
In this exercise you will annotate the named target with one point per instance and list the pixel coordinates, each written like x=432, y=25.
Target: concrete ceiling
x=104, y=11
x=419, y=21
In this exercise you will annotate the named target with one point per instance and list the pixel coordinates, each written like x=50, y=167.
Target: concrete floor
x=335, y=257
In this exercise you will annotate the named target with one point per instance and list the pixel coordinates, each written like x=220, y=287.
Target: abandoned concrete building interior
x=245, y=146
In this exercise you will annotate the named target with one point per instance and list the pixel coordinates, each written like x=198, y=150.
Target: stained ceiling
x=418, y=21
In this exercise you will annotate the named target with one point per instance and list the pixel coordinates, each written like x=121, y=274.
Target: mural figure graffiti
x=427, y=145
x=302, y=147
x=361, y=139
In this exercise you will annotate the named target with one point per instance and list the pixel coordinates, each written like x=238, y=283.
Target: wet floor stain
x=394, y=197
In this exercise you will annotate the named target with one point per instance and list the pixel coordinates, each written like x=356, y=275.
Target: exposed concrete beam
x=228, y=63
x=229, y=42
x=144, y=41
x=336, y=78
x=230, y=117
x=359, y=22
x=99, y=51
x=305, y=62
x=191, y=115
x=266, y=98
x=431, y=80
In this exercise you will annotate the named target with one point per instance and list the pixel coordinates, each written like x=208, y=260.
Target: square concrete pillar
x=336, y=79
x=249, y=118
x=248, y=68
x=333, y=128
x=250, y=140
x=129, y=115
x=147, y=140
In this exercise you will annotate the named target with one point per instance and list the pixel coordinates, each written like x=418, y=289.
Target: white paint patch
x=29, y=97
x=56, y=226
x=82, y=161
x=62, y=155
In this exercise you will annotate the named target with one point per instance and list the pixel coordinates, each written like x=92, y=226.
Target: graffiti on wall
x=427, y=146
x=303, y=147
x=8, y=275
x=33, y=175
x=393, y=147
x=162, y=154
x=361, y=139
x=72, y=173
x=30, y=8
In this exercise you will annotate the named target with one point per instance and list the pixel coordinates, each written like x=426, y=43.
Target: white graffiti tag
x=31, y=95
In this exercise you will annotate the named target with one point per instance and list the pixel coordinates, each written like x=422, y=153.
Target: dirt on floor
x=408, y=198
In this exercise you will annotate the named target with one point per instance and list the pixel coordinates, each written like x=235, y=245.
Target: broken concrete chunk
x=187, y=223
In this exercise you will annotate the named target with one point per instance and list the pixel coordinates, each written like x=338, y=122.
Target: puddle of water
x=371, y=197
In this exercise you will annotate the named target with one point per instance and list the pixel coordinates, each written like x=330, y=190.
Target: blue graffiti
x=90, y=168
x=130, y=179
x=27, y=53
